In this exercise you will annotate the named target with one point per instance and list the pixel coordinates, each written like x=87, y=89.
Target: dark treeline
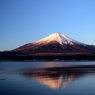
x=47, y=57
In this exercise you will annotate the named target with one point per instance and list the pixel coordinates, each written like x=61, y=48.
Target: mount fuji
x=58, y=37
x=56, y=43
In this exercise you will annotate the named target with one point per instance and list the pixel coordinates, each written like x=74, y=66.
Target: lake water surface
x=47, y=78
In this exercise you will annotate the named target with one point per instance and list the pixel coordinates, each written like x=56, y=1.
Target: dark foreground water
x=47, y=78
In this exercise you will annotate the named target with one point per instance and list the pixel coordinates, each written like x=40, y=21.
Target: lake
x=47, y=78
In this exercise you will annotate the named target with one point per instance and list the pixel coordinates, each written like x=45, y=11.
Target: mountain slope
x=55, y=43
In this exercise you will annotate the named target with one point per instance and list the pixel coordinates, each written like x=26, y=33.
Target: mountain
x=55, y=43
x=58, y=37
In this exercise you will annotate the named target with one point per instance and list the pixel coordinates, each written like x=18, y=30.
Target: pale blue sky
x=25, y=21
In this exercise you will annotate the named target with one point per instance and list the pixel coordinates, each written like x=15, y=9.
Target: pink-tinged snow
x=60, y=38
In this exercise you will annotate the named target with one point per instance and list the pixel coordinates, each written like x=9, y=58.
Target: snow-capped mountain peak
x=55, y=43
x=58, y=37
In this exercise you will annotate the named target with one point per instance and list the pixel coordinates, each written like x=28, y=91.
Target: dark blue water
x=47, y=78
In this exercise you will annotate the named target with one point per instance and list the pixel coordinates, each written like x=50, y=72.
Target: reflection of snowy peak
x=57, y=83
x=58, y=77
x=58, y=37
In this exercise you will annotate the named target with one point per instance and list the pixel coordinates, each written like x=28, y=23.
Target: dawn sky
x=25, y=21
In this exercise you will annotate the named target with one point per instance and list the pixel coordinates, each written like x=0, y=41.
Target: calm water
x=47, y=78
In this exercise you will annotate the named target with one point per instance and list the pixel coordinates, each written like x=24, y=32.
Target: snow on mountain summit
x=58, y=37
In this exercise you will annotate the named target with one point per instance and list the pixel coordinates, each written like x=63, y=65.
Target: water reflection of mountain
x=59, y=77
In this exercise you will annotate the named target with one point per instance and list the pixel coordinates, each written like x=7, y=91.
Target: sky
x=26, y=21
